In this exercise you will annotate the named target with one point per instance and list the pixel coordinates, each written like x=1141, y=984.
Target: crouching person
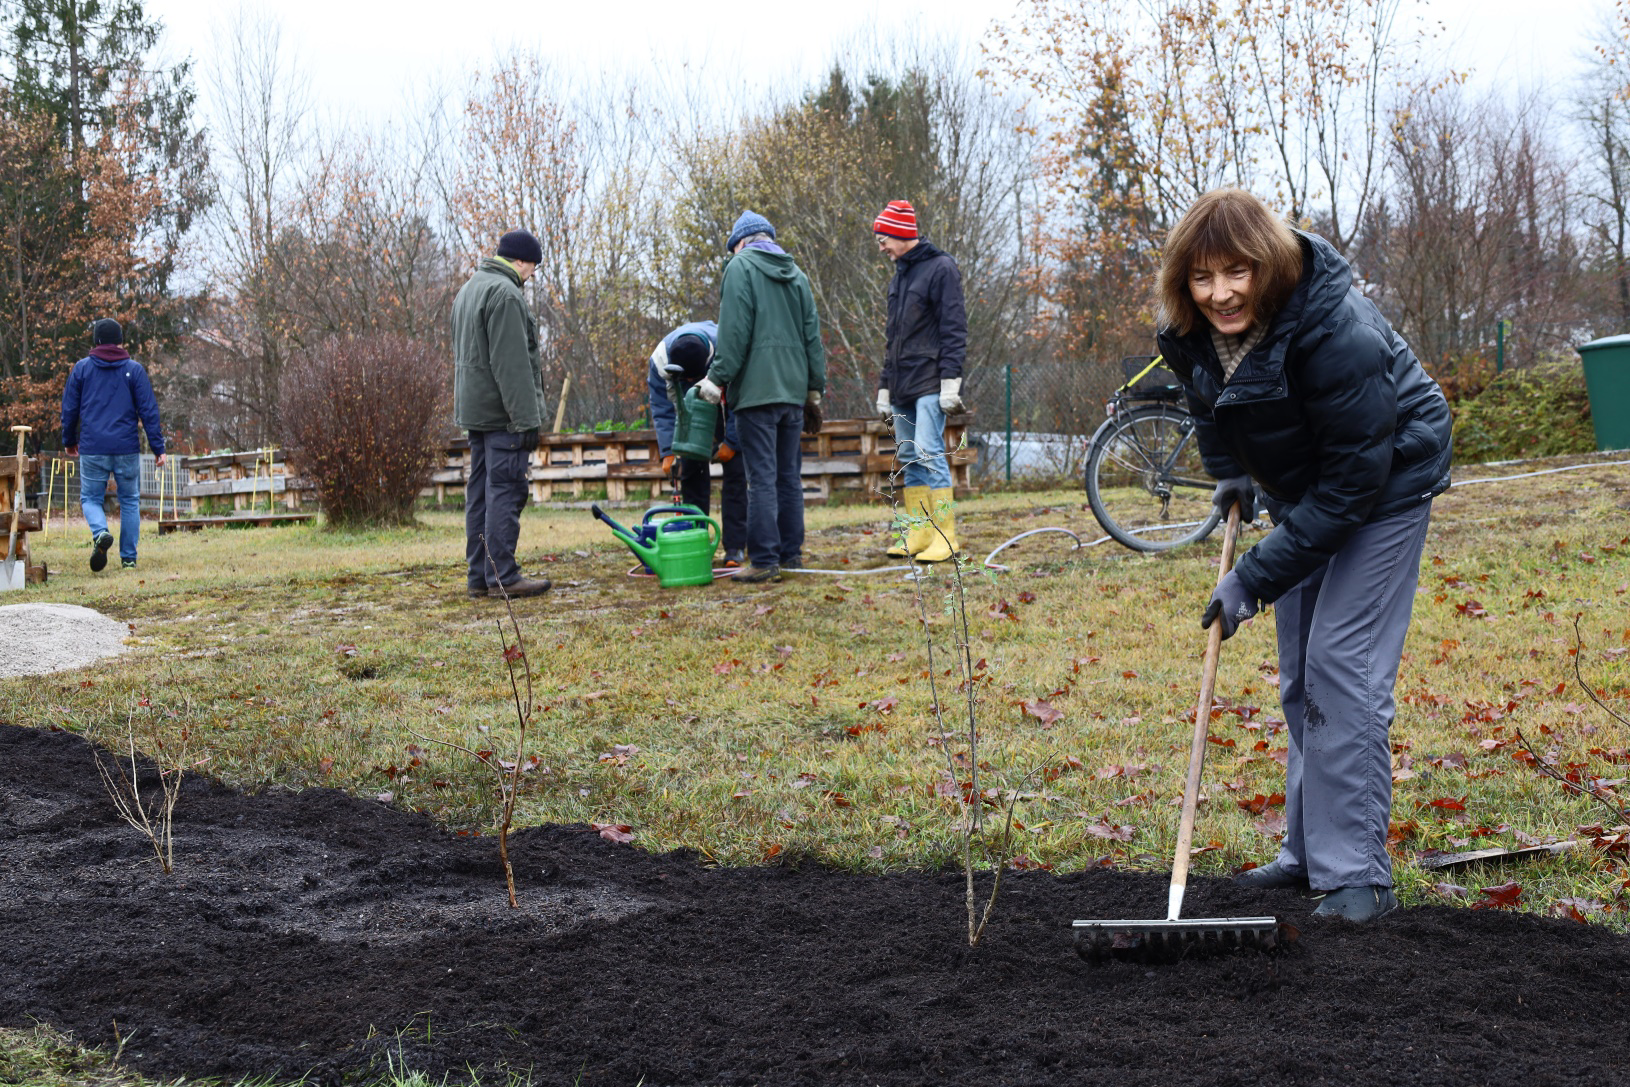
x=680, y=361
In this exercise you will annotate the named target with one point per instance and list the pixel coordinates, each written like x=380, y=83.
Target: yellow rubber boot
x=914, y=506
x=938, y=550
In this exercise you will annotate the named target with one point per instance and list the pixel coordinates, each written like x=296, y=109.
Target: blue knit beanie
x=520, y=245
x=107, y=331
x=751, y=222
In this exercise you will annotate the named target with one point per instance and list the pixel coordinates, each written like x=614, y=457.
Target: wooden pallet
x=848, y=456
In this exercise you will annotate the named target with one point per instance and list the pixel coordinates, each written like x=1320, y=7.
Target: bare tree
x=1603, y=114
x=263, y=130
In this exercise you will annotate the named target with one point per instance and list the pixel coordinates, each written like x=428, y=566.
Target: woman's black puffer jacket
x=1331, y=413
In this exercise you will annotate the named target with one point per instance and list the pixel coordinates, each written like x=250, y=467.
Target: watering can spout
x=645, y=552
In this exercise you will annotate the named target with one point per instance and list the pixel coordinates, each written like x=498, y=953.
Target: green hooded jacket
x=768, y=349
x=497, y=379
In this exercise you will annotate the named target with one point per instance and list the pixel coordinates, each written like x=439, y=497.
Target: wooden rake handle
x=1202, y=727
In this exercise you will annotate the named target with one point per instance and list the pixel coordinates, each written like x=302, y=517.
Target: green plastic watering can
x=678, y=548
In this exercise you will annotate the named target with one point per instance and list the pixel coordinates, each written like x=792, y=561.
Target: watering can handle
x=690, y=511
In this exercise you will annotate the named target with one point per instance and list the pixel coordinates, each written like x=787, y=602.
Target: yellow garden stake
x=271, y=501
x=50, y=489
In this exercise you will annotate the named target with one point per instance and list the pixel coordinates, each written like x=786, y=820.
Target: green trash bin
x=1607, y=380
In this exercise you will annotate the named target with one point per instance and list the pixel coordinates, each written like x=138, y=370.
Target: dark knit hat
x=898, y=220
x=691, y=353
x=106, y=331
x=520, y=245
x=751, y=222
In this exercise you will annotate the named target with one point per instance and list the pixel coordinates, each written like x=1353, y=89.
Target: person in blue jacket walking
x=107, y=395
x=680, y=361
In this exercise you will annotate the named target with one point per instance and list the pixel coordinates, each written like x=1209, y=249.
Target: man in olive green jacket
x=498, y=398
x=769, y=354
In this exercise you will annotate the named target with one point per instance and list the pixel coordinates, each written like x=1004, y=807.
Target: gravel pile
x=37, y=639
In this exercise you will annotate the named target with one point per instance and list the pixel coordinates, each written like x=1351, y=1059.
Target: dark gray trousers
x=1341, y=637
x=494, y=496
x=772, y=449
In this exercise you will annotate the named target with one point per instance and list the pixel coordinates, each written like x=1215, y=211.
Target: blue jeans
x=919, y=441
x=125, y=468
x=772, y=452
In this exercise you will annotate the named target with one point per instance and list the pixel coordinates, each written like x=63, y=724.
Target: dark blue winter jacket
x=1331, y=413
x=662, y=387
x=927, y=330
x=107, y=393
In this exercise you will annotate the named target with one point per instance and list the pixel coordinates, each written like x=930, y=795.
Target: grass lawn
x=753, y=723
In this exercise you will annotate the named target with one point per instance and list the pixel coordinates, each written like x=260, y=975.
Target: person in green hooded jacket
x=769, y=358
x=498, y=398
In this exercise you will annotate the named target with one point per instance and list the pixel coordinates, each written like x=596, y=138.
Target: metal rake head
x=1171, y=941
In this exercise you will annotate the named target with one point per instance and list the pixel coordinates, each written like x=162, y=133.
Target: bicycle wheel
x=1145, y=482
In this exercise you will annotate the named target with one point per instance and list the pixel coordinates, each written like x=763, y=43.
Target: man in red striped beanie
x=921, y=383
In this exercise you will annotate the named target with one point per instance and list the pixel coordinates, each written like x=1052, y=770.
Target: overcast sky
x=365, y=57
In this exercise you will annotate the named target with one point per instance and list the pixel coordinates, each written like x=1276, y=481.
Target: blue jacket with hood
x=107, y=394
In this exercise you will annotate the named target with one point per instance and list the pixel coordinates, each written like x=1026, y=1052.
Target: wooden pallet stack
x=848, y=456
x=28, y=520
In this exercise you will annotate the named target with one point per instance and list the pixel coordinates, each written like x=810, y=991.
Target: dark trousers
x=771, y=445
x=493, y=499
x=696, y=489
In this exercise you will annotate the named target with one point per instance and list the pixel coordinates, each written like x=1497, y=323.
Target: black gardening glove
x=1231, y=604
x=529, y=440
x=812, y=419
x=1236, y=489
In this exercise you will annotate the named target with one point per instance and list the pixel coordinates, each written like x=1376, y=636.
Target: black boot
x=1357, y=904
x=1271, y=876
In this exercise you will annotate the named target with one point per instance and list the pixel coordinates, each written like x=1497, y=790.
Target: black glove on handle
x=1236, y=489
x=812, y=419
x=529, y=440
x=1231, y=604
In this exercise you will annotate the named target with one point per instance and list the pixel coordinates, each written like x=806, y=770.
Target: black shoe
x=755, y=574
x=521, y=587
x=128, y=564
x=1271, y=876
x=99, y=551
x=1358, y=904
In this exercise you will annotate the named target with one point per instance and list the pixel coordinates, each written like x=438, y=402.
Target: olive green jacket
x=497, y=379
x=768, y=350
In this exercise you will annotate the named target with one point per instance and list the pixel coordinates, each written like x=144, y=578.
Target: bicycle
x=1145, y=482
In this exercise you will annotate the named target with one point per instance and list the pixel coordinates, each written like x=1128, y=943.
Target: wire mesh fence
x=1032, y=423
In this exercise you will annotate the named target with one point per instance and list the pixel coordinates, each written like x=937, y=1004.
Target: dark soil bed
x=318, y=933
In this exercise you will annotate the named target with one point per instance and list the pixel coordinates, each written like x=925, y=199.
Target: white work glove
x=814, y=397
x=951, y=396
x=883, y=406
x=709, y=391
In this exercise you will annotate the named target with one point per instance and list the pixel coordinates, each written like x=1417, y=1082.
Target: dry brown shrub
x=360, y=420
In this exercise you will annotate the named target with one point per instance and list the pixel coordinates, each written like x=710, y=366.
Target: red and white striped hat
x=899, y=220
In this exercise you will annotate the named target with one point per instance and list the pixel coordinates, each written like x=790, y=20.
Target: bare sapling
x=972, y=824
x=1576, y=783
x=154, y=815
x=506, y=772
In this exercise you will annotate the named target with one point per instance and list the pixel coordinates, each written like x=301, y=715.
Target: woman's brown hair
x=1228, y=224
